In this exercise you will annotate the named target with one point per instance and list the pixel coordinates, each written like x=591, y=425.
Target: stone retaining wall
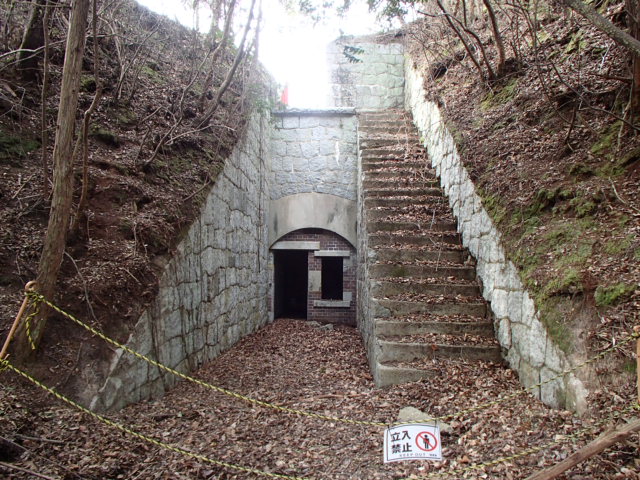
x=214, y=289
x=527, y=345
x=314, y=151
x=375, y=81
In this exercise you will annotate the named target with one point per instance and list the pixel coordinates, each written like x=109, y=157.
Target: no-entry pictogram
x=416, y=441
x=427, y=441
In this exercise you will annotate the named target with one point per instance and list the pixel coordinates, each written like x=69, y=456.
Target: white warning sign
x=416, y=441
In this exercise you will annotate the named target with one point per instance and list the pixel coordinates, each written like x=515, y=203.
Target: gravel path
x=302, y=366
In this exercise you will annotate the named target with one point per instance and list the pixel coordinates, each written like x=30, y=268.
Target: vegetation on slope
x=168, y=116
x=552, y=144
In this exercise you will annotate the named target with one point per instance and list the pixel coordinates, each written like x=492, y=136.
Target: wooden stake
x=28, y=287
x=595, y=447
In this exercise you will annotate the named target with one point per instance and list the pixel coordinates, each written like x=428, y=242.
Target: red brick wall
x=329, y=241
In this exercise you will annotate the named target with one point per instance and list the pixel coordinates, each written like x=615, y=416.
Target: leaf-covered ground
x=303, y=366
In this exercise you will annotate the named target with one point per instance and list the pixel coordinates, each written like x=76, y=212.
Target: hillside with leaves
x=552, y=144
x=156, y=142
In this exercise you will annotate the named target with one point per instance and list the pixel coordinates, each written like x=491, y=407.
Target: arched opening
x=314, y=277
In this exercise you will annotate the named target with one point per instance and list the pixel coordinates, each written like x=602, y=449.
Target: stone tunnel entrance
x=290, y=276
x=314, y=277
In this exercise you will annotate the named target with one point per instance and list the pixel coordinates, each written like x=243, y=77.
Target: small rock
x=413, y=415
x=328, y=326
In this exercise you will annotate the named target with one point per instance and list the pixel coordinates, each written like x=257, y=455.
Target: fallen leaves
x=299, y=365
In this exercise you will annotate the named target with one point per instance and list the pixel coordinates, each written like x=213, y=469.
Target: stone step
x=421, y=166
x=401, y=129
x=426, y=213
x=398, y=173
x=382, y=226
x=396, y=151
x=388, y=375
x=389, y=328
x=408, y=352
x=430, y=239
x=382, y=183
x=373, y=142
x=400, y=202
x=385, y=308
x=424, y=297
x=401, y=192
x=384, y=270
x=371, y=122
x=387, y=289
x=397, y=255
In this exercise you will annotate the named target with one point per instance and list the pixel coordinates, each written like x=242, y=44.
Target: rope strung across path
x=4, y=364
x=37, y=298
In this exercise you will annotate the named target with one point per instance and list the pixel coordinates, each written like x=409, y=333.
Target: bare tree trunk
x=633, y=13
x=497, y=36
x=459, y=34
x=59, y=216
x=32, y=39
x=604, y=25
x=83, y=140
x=43, y=101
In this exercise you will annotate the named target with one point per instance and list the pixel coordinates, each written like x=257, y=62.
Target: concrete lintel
x=296, y=245
x=332, y=303
x=313, y=210
x=332, y=253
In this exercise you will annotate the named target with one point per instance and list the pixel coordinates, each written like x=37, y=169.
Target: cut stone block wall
x=527, y=345
x=314, y=151
x=375, y=82
x=214, y=289
x=365, y=316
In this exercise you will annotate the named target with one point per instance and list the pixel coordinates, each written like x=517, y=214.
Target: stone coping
x=314, y=112
x=332, y=303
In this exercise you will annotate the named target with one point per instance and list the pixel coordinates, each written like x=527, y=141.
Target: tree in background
x=62, y=194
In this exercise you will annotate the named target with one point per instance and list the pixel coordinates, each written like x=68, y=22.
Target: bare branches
x=83, y=139
x=231, y=72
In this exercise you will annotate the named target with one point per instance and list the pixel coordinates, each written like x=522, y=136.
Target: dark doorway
x=291, y=280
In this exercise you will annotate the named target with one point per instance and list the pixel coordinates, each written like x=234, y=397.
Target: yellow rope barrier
x=36, y=297
x=5, y=364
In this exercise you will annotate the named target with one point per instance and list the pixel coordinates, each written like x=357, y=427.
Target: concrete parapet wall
x=375, y=82
x=525, y=341
x=214, y=289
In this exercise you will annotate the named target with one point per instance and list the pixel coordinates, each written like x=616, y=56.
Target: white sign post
x=416, y=441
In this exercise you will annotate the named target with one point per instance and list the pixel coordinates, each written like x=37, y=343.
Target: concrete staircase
x=424, y=300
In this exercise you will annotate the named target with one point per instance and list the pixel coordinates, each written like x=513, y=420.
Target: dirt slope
x=139, y=206
x=555, y=155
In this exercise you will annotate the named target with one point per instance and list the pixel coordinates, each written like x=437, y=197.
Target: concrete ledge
x=332, y=303
x=332, y=253
x=294, y=245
